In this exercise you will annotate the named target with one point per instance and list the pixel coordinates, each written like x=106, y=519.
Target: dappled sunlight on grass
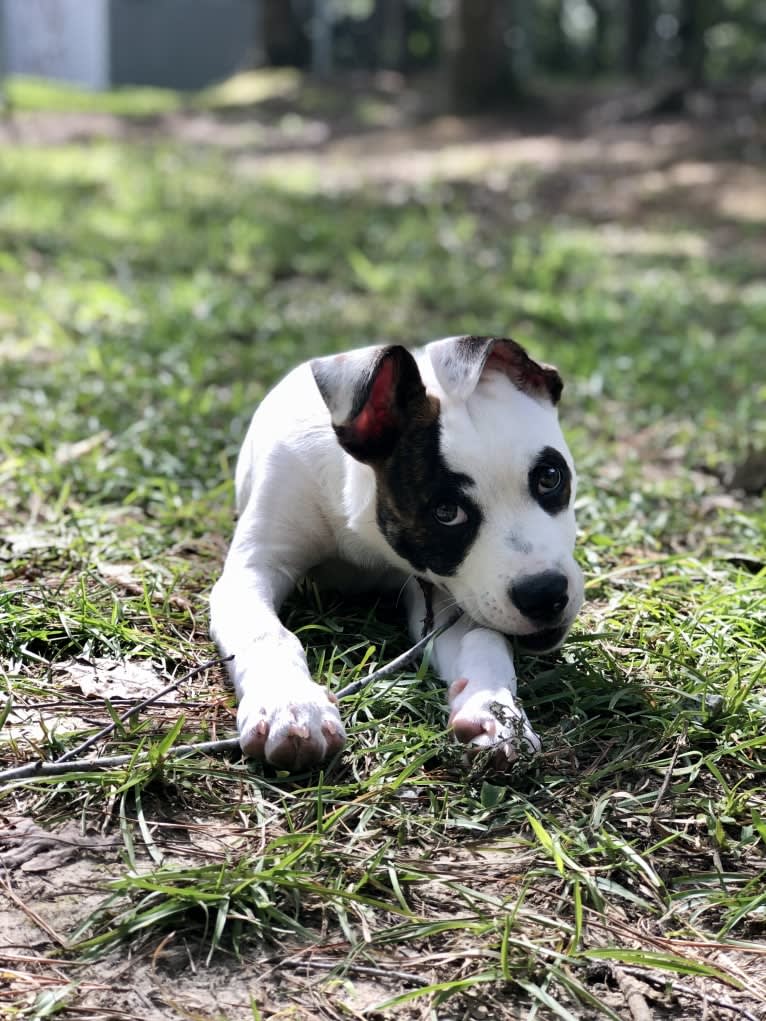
x=25, y=93
x=28, y=93
x=250, y=87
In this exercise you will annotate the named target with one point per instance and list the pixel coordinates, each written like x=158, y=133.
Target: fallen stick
x=67, y=764
x=634, y=997
x=662, y=982
x=400, y=661
x=73, y=752
x=40, y=768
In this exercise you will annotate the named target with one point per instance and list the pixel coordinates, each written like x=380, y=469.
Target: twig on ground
x=33, y=916
x=74, y=752
x=679, y=988
x=667, y=778
x=35, y=769
x=350, y=966
x=59, y=962
x=629, y=987
x=400, y=661
x=68, y=764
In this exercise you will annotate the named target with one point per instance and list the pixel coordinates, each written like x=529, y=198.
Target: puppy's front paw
x=292, y=729
x=482, y=718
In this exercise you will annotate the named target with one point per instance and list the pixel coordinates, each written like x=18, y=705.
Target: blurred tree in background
x=481, y=71
x=492, y=51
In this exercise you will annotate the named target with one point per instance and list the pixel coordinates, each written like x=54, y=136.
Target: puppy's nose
x=541, y=597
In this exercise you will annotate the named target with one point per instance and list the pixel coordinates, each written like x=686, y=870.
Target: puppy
x=380, y=467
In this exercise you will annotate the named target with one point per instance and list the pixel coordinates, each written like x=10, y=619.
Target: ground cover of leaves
x=160, y=267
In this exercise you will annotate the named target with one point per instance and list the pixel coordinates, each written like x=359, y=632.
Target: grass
x=25, y=93
x=149, y=295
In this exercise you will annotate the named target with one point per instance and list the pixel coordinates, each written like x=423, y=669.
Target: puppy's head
x=475, y=484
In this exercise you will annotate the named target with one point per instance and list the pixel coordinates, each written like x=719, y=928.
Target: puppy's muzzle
x=543, y=641
x=542, y=598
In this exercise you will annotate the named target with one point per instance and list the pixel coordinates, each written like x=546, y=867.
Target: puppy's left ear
x=460, y=362
x=373, y=396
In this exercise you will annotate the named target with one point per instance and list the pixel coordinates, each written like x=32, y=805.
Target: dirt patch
x=177, y=975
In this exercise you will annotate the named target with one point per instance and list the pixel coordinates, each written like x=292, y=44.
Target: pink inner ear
x=376, y=416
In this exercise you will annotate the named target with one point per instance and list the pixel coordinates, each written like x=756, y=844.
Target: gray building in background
x=181, y=44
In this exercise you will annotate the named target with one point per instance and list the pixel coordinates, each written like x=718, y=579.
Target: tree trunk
x=285, y=42
x=696, y=17
x=638, y=27
x=599, y=59
x=560, y=55
x=392, y=33
x=479, y=68
x=322, y=38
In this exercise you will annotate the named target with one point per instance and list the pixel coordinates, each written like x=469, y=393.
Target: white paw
x=291, y=726
x=482, y=718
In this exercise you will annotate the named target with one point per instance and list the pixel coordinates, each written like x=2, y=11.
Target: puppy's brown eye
x=549, y=479
x=449, y=514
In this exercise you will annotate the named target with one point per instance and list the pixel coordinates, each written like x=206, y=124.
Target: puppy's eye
x=449, y=514
x=549, y=479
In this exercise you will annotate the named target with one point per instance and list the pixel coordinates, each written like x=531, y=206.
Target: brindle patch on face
x=411, y=484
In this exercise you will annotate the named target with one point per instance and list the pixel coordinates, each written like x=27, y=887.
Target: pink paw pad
x=490, y=720
x=468, y=728
x=294, y=733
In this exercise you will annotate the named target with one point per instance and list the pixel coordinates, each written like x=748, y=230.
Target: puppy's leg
x=283, y=716
x=477, y=665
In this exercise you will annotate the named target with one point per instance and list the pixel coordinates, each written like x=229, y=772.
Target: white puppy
x=446, y=464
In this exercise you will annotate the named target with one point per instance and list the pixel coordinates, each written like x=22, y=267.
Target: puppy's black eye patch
x=550, y=481
x=423, y=507
x=431, y=535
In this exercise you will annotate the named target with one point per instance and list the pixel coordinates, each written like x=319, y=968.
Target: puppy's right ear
x=372, y=396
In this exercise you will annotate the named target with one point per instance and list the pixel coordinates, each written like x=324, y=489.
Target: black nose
x=541, y=597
